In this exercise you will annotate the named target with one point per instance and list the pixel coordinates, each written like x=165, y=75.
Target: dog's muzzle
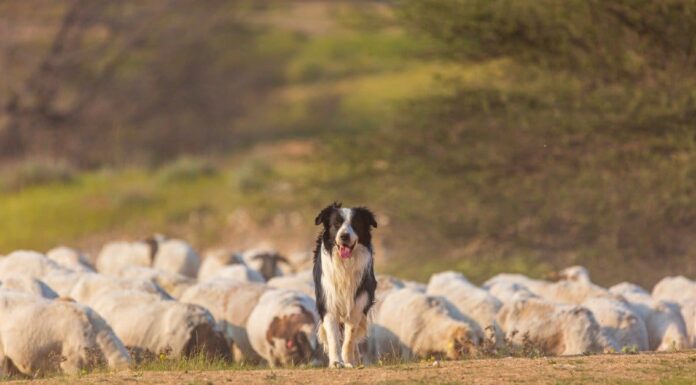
x=345, y=251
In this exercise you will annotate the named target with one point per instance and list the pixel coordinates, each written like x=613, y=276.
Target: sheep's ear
x=325, y=214
x=261, y=256
x=280, y=258
x=153, y=244
x=367, y=215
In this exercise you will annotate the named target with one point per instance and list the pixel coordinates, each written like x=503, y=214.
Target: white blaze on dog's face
x=346, y=237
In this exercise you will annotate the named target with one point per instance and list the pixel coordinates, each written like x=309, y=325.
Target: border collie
x=344, y=280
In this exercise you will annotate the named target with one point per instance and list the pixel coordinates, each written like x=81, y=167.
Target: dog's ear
x=366, y=215
x=325, y=214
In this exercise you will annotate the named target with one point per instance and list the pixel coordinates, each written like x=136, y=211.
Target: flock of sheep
x=141, y=300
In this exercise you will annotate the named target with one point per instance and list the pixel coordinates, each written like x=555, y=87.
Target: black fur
x=363, y=220
x=316, y=270
x=326, y=213
x=369, y=286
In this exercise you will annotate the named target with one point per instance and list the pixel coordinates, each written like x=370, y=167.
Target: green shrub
x=186, y=169
x=35, y=172
x=253, y=176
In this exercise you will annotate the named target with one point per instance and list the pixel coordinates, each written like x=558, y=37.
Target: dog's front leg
x=333, y=336
x=354, y=330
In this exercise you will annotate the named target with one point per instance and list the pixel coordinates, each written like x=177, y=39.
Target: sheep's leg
x=354, y=330
x=333, y=334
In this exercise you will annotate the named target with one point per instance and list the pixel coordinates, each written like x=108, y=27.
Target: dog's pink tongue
x=344, y=251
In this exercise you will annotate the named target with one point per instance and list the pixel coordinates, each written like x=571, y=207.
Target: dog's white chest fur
x=341, y=278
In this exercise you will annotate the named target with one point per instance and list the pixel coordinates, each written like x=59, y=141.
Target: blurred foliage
x=604, y=39
x=129, y=82
x=489, y=136
x=33, y=172
x=584, y=150
x=187, y=169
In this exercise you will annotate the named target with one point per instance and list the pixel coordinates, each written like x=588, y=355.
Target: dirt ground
x=667, y=368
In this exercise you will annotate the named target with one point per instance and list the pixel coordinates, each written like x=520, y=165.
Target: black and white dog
x=344, y=280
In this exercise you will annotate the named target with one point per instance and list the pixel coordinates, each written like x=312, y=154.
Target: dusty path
x=670, y=368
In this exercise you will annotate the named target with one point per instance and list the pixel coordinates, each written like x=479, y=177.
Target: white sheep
x=618, y=321
x=569, y=291
x=265, y=261
x=508, y=292
x=26, y=284
x=572, y=292
x=231, y=304
x=299, y=261
x=627, y=289
x=28, y=263
x=688, y=312
x=178, y=257
x=472, y=301
x=70, y=258
x=680, y=291
x=115, y=256
x=238, y=273
x=531, y=284
x=84, y=287
x=389, y=282
x=39, y=336
x=294, y=282
x=415, y=285
x=554, y=329
x=216, y=259
x=664, y=323
x=408, y=324
x=675, y=289
x=282, y=326
x=305, y=274
x=62, y=282
x=573, y=273
x=150, y=325
x=174, y=284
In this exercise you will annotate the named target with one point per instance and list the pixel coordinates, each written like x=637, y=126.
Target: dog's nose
x=345, y=237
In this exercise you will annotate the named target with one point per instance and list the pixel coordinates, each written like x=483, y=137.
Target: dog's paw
x=349, y=365
x=336, y=365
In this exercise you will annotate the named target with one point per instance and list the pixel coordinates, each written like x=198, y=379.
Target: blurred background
x=488, y=135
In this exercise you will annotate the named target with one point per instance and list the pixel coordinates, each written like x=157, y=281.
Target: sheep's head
x=153, y=243
x=573, y=273
x=269, y=263
x=292, y=338
x=461, y=342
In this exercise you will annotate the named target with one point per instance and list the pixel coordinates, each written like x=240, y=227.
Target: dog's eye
x=338, y=221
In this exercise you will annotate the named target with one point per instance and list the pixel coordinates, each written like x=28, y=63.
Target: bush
x=186, y=169
x=34, y=172
x=254, y=176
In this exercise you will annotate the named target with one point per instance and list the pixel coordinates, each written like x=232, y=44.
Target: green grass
x=44, y=216
x=351, y=54
x=186, y=169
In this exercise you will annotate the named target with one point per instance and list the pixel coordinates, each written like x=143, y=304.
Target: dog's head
x=344, y=228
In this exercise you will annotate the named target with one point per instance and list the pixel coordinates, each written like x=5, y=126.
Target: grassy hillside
x=481, y=150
